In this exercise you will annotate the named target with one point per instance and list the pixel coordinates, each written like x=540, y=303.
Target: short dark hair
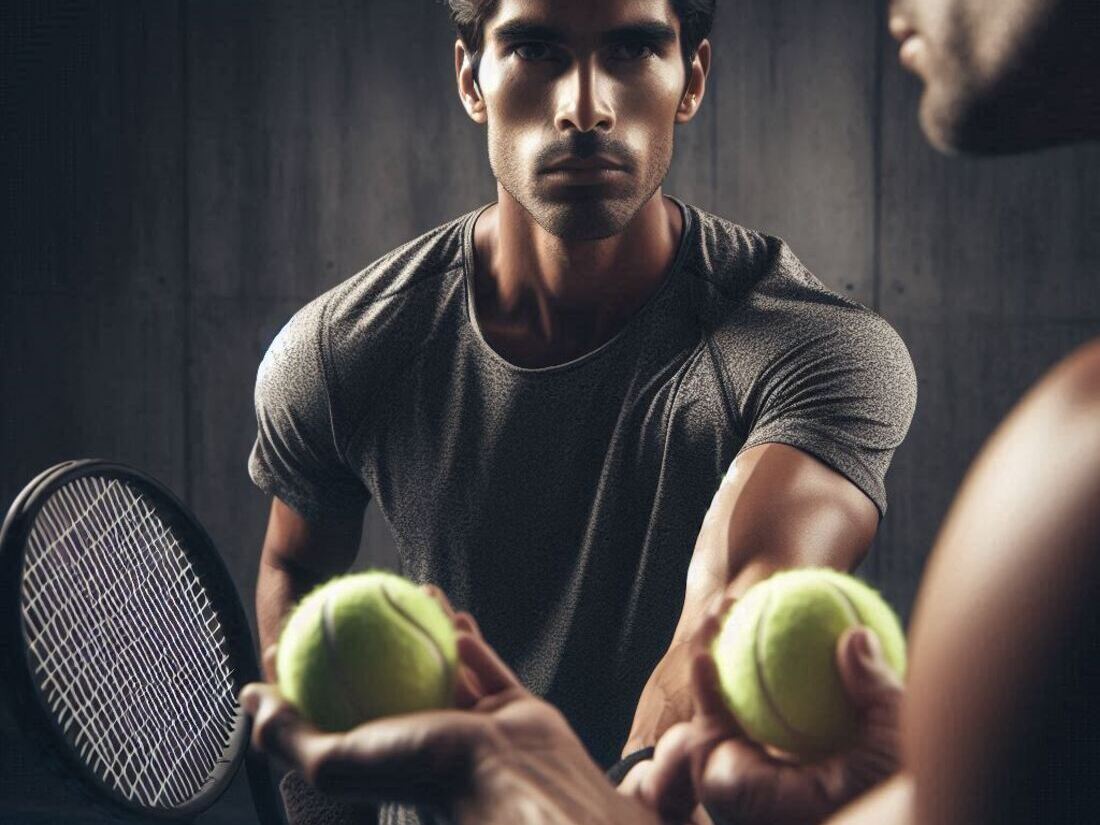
x=469, y=16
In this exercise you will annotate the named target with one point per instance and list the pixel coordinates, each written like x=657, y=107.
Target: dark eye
x=632, y=51
x=531, y=51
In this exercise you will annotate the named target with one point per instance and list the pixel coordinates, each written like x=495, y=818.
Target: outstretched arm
x=777, y=507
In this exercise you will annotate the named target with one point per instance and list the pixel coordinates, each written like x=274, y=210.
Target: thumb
x=876, y=690
x=868, y=678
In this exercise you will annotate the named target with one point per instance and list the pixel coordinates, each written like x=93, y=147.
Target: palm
x=503, y=756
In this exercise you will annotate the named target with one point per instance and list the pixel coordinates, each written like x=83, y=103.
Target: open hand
x=501, y=756
x=710, y=760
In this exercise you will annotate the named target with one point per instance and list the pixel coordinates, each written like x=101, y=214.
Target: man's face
x=989, y=68
x=581, y=98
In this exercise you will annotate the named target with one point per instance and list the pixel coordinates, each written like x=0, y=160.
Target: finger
x=250, y=697
x=468, y=691
x=720, y=779
x=667, y=785
x=489, y=669
x=465, y=621
x=739, y=783
x=277, y=728
x=877, y=691
x=868, y=678
x=441, y=597
x=417, y=757
x=632, y=782
x=706, y=694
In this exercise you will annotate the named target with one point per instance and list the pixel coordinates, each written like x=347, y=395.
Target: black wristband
x=617, y=772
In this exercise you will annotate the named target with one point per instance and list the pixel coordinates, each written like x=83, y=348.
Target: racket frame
x=31, y=711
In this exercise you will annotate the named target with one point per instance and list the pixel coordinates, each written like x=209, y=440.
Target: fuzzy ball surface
x=364, y=646
x=776, y=658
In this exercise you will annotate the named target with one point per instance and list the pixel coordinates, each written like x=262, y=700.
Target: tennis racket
x=123, y=644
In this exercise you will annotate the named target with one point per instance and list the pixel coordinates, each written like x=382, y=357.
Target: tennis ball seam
x=796, y=734
x=848, y=601
x=433, y=644
x=332, y=653
x=758, y=668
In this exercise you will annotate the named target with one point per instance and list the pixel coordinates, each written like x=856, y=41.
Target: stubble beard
x=1016, y=105
x=582, y=219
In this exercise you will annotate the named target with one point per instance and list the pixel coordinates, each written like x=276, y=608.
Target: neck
x=542, y=300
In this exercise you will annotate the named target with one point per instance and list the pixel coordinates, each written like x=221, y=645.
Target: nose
x=583, y=102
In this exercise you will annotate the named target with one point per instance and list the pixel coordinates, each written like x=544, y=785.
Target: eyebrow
x=519, y=31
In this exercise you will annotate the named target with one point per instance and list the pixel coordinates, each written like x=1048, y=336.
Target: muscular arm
x=297, y=556
x=778, y=507
x=1001, y=723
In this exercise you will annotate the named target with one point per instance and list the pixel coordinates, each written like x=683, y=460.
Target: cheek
x=976, y=41
x=657, y=88
x=520, y=100
x=646, y=112
x=518, y=121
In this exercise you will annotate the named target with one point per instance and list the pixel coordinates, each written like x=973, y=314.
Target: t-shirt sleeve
x=842, y=389
x=297, y=455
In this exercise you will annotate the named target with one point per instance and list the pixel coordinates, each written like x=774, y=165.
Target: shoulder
x=363, y=323
x=408, y=276
x=1060, y=417
x=1075, y=383
x=399, y=290
x=1024, y=526
x=749, y=279
x=763, y=307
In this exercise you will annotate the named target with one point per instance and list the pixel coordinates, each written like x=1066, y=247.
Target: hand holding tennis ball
x=776, y=658
x=365, y=646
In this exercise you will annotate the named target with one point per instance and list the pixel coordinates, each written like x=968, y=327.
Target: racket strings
x=137, y=590
x=93, y=664
x=155, y=606
x=126, y=644
x=58, y=673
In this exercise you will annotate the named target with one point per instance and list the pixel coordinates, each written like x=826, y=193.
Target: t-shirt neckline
x=644, y=309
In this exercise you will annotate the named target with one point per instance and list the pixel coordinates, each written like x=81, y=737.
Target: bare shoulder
x=1004, y=610
x=1075, y=382
x=1053, y=435
x=1026, y=508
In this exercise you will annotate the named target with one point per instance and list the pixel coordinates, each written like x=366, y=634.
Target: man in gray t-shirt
x=586, y=409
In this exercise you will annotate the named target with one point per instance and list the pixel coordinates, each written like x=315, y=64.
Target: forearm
x=666, y=698
x=278, y=589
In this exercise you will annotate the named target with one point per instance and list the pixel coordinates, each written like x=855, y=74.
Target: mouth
x=574, y=165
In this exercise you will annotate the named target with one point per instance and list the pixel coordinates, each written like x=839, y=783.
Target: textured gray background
x=178, y=177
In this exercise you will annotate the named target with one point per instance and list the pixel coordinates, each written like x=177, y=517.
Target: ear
x=696, y=84
x=468, y=90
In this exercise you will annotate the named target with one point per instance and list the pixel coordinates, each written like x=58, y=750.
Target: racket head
x=122, y=731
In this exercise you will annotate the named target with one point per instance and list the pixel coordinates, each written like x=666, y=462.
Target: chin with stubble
x=587, y=206
x=1003, y=76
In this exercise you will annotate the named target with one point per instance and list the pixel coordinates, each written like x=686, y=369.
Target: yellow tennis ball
x=363, y=646
x=776, y=658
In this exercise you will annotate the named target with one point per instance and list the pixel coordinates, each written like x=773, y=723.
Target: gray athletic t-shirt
x=560, y=505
